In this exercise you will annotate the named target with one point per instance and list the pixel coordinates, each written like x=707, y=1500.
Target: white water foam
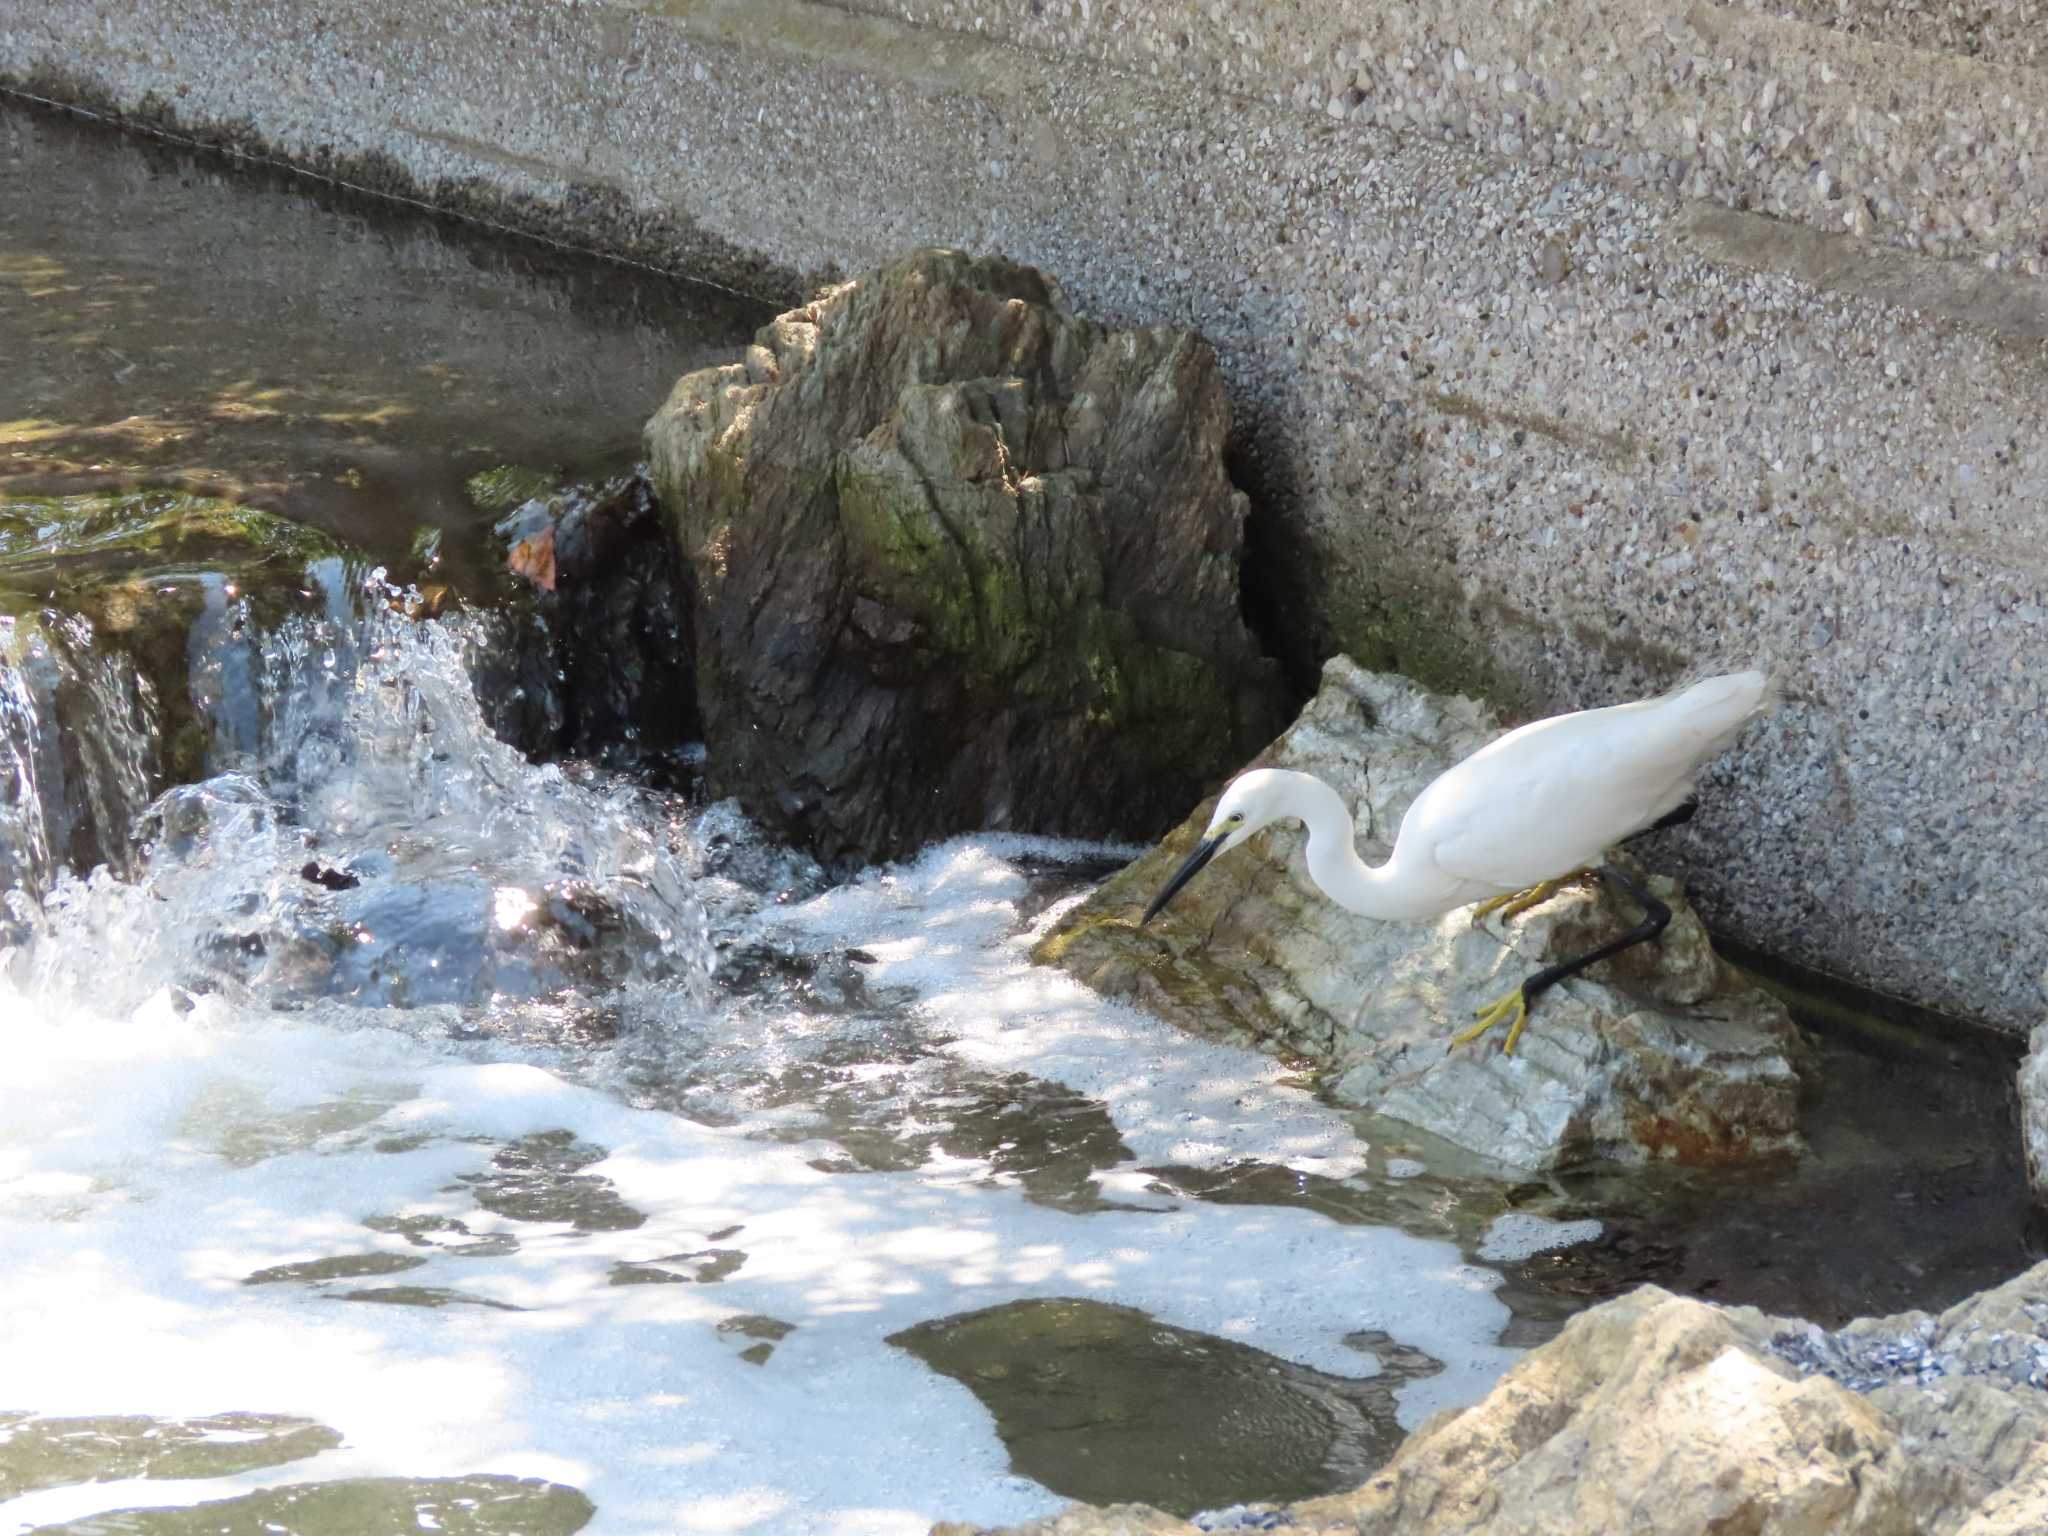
x=149, y=1163
x=1516, y=1235
x=945, y=926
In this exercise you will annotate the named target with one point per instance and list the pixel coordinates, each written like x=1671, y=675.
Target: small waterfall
x=79, y=752
x=362, y=839
x=27, y=752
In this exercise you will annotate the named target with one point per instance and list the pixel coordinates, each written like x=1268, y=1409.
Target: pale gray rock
x=1083, y=1520
x=2034, y=1111
x=1664, y=1052
x=1732, y=1420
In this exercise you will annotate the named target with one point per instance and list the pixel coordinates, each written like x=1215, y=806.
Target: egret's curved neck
x=1384, y=891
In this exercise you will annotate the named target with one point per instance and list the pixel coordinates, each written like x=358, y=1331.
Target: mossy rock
x=962, y=560
x=51, y=547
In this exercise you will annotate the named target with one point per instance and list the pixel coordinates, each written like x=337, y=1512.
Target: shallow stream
x=412, y=1136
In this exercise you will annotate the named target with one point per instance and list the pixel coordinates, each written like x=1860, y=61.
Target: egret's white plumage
x=1542, y=802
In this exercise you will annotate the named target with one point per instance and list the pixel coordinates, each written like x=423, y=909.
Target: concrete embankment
x=1574, y=345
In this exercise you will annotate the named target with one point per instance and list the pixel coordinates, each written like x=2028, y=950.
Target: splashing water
x=384, y=1013
x=376, y=1112
x=377, y=847
x=26, y=859
x=65, y=791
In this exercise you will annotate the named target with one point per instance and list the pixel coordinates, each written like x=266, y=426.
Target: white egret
x=1508, y=824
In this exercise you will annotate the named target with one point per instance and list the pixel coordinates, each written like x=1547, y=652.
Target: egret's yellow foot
x=1513, y=1006
x=1493, y=904
x=1513, y=904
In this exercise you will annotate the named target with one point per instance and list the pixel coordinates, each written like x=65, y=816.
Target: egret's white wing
x=1548, y=799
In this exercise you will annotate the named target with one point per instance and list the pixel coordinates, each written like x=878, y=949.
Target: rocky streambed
x=1669, y=1056
x=621, y=944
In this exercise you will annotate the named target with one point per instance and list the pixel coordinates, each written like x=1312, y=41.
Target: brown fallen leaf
x=534, y=558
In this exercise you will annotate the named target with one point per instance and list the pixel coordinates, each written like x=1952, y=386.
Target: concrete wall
x=1889, y=120
x=1531, y=412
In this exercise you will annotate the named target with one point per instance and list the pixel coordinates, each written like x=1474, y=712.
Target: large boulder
x=1663, y=1052
x=962, y=560
x=1654, y=1413
x=1657, y=1412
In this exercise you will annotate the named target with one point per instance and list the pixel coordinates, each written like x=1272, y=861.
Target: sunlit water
x=176, y=319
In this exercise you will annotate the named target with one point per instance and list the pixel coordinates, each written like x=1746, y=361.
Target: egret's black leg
x=1656, y=917
x=1514, y=1007
x=1675, y=817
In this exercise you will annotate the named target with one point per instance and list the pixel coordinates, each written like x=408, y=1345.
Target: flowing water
x=400, y=1134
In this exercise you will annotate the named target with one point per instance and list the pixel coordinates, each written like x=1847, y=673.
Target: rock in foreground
x=962, y=560
x=1657, y=1414
x=1663, y=1052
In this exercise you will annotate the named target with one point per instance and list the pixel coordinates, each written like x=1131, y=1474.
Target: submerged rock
x=1091, y=1398
x=962, y=560
x=450, y=938
x=1663, y=1052
x=42, y=1452
x=506, y=486
x=387, y=932
x=480, y=1504
x=1716, y=1419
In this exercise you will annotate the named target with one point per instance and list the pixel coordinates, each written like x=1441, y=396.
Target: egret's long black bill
x=1196, y=863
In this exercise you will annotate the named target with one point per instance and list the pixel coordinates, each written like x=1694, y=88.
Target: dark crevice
x=1274, y=618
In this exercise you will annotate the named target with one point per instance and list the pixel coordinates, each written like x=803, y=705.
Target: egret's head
x=1251, y=801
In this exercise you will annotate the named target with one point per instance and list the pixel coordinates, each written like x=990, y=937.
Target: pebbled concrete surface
x=1549, y=436
x=1918, y=126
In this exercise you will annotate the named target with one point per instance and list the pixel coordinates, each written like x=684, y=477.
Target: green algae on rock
x=38, y=1452
x=1664, y=1052
x=484, y=1504
x=962, y=560
x=51, y=543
